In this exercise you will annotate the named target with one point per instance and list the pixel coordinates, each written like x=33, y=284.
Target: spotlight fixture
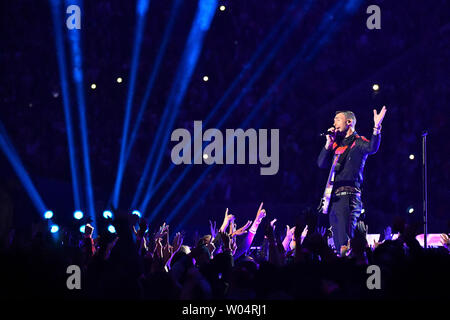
x=111, y=228
x=136, y=212
x=78, y=215
x=107, y=214
x=48, y=214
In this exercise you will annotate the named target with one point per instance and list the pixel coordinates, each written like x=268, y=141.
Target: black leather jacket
x=351, y=171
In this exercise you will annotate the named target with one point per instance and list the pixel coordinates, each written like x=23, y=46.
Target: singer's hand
x=330, y=138
x=378, y=117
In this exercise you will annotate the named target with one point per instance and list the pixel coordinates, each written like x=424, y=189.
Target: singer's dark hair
x=349, y=115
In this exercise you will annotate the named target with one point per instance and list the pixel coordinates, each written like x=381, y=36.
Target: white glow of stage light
x=78, y=215
x=205, y=78
x=376, y=87
x=222, y=8
x=136, y=212
x=93, y=86
x=363, y=210
x=111, y=228
x=107, y=214
x=48, y=214
x=55, y=94
x=411, y=157
x=82, y=228
x=205, y=156
x=54, y=228
x=119, y=80
x=410, y=210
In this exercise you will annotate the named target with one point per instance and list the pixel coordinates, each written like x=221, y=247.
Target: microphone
x=329, y=132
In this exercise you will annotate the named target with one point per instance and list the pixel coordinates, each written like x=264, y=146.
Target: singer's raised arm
x=370, y=147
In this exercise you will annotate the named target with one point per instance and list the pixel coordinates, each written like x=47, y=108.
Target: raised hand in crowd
x=375, y=243
x=242, y=230
x=226, y=241
x=246, y=242
x=345, y=249
x=288, y=237
x=272, y=224
x=301, y=229
x=260, y=214
x=87, y=244
x=361, y=230
x=158, y=252
x=213, y=230
x=177, y=242
x=275, y=256
x=445, y=241
x=168, y=251
x=226, y=221
x=141, y=236
x=234, y=245
x=231, y=228
x=163, y=230
x=304, y=232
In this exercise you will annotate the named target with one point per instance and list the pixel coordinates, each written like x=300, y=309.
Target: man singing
x=346, y=153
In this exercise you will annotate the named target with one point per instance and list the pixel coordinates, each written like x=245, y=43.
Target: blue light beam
x=202, y=21
x=141, y=9
x=16, y=163
x=152, y=78
x=61, y=56
x=148, y=90
x=77, y=74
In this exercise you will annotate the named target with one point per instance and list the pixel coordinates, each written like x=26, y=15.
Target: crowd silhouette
x=296, y=262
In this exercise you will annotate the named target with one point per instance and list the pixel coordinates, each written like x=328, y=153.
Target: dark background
x=408, y=58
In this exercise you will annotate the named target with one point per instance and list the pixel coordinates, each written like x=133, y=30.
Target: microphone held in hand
x=329, y=132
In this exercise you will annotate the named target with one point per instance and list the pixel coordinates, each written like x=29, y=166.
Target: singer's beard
x=340, y=135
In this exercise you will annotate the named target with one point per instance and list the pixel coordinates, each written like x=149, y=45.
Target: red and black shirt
x=350, y=171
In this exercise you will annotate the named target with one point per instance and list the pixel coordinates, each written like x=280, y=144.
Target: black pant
x=343, y=214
